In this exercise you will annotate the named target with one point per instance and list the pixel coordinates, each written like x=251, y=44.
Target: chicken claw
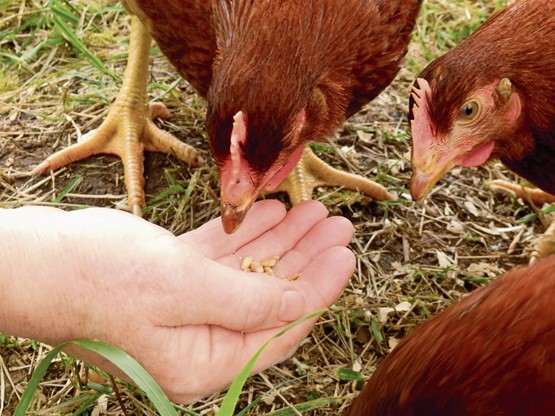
x=545, y=244
x=128, y=129
x=312, y=172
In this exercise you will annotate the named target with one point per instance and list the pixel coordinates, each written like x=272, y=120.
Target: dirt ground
x=418, y=258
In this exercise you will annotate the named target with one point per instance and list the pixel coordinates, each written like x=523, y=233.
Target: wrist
x=32, y=274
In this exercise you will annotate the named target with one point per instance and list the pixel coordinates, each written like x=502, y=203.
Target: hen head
x=455, y=122
x=254, y=152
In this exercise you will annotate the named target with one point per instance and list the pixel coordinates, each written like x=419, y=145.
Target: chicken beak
x=427, y=170
x=234, y=214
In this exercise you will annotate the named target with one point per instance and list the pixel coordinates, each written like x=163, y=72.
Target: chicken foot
x=545, y=244
x=533, y=195
x=128, y=129
x=311, y=172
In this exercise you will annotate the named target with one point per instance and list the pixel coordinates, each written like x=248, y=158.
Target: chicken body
x=277, y=74
x=491, y=354
x=492, y=97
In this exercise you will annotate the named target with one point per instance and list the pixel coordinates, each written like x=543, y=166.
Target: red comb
x=421, y=124
x=238, y=136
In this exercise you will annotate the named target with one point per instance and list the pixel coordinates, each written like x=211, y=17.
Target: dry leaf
x=444, y=260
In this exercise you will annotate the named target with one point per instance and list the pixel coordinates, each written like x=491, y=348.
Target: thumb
x=232, y=299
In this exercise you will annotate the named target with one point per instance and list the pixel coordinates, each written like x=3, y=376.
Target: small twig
x=118, y=395
x=270, y=384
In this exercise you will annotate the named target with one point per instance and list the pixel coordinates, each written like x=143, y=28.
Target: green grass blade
x=348, y=375
x=376, y=332
x=85, y=400
x=134, y=371
x=531, y=217
x=167, y=89
x=30, y=55
x=87, y=404
x=70, y=37
x=289, y=382
x=60, y=16
x=38, y=374
x=64, y=12
x=232, y=396
x=251, y=405
x=119, y=358
x=70, y=186
x=175, y=188
x=304, y=407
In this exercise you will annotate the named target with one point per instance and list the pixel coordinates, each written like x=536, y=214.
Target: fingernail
x=292, y=306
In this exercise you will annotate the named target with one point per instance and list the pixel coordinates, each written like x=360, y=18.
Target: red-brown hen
x=491, y=354
x=492, y=97
x=277, y=74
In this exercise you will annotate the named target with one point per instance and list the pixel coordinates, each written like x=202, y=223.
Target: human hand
x=180, y=305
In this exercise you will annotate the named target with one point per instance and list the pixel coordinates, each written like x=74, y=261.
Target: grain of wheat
x=248, y=264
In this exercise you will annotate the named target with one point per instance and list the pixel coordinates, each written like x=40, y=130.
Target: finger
x=324, y=278
x=211, y=240
x=215, y=294
x=282, y=238
x=333, y=231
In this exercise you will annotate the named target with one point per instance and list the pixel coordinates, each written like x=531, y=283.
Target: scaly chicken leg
x=545, y=244
x=311, y=172
x=128, y=130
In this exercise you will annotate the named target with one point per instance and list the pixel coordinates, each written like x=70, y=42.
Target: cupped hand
x=180, y=305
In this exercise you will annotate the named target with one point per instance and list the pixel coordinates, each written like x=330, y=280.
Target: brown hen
x=492, y=97
x=491, y=354
x=277, y=75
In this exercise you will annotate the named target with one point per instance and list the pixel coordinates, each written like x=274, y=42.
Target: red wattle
x=476, y=157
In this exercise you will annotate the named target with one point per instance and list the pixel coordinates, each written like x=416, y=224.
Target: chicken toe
x=531, y=195
x=128, y=129
x=545, y=244
x=312, y=172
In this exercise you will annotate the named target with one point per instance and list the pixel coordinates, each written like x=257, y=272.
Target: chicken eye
x=469, y=112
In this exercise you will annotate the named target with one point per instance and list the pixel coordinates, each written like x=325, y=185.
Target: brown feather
x=491, y=354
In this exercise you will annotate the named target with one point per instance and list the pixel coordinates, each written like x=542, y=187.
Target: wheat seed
x=246, y=264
